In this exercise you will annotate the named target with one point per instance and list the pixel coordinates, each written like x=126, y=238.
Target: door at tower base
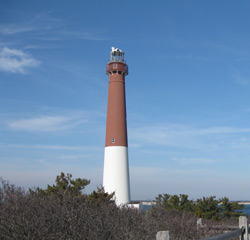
x=116, y=173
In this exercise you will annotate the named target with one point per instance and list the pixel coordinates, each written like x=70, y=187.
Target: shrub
x=62, y=211
x=25, y=215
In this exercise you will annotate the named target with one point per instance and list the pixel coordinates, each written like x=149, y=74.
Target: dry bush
x=28, y=216
x=181, y=225
x=24, y=215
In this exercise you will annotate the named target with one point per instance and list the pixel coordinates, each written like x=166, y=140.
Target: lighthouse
x=116, y=167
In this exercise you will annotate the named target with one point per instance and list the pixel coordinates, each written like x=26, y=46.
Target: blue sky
x=188, y=101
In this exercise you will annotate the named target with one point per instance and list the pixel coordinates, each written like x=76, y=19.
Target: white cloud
x=13, y=29
x=50, y=119
x=181, y=135
x=16, y=61
x=43, y=123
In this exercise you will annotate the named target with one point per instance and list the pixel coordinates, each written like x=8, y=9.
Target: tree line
x=206, y=207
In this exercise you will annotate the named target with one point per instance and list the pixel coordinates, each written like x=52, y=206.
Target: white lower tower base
x=116, y=173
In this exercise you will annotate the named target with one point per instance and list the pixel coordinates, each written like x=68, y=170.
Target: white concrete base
x=116, y=173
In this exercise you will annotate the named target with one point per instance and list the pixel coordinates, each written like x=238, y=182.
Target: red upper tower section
x=116, y=126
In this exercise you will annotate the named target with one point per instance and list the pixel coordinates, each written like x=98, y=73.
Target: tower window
x=114, y=65
x=113, y=140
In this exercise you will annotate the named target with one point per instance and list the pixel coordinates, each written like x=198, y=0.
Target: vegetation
x=63, y=211
x=65, y=185
x=174, y=202
x=206, y=207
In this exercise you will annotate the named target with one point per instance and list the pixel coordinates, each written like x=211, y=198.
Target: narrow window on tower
x=113, y=140
x=115, y=65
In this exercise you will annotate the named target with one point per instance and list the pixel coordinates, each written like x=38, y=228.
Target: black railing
x=225, y=236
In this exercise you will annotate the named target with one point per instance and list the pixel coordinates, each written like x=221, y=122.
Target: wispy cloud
x=224, y=48
x=82, y=35
x=70, y=35
x=44, y=124
x=241, y=80
x=182, y=135
x=50, y=147
x=191, y=57
x=16, y=61
x=218, y=130
x=47, y=28
x=142, y=172
x=190, y=161
x=37, y=23
x=14, y=29
x=75, y=157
